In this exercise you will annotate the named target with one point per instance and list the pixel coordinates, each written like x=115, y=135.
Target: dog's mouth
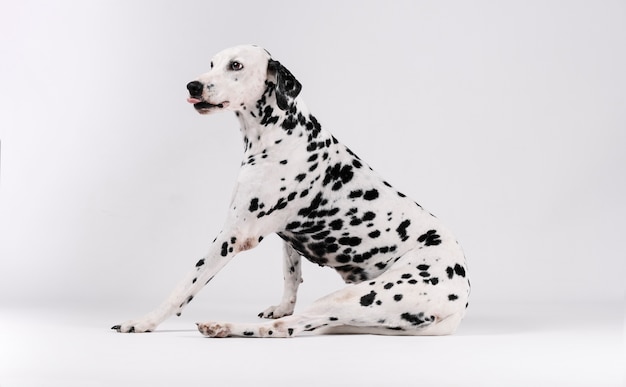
x=204, y=107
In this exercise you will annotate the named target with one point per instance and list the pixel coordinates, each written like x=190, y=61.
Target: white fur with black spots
x=405, y=271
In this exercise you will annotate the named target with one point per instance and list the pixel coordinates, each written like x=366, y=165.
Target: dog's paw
x=212, y=329
x=135, y=326
x=277, y=311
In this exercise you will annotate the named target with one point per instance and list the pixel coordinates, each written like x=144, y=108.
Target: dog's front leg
x=292, y=274
x=224, y=248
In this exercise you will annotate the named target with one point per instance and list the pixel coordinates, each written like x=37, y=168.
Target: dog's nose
x=195, y=88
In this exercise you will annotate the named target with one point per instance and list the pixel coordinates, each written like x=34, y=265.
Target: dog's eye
x=236, y=66
x=211, y=64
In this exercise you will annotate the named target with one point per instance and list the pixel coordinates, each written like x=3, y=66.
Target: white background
x=505, y=119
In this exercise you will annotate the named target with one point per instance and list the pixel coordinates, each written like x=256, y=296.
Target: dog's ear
x=287, y=86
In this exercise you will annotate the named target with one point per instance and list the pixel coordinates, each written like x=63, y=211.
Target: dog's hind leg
x=405, y=300
x=288, y=326
x=404, y=308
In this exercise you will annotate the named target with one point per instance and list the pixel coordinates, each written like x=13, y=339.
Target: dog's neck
x=264, y=125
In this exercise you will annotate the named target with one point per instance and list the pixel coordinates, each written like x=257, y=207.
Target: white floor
x=529, y=345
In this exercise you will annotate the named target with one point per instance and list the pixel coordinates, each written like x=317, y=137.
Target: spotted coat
x=405, y=270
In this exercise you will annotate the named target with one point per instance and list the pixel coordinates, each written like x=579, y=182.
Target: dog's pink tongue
x=193, y=100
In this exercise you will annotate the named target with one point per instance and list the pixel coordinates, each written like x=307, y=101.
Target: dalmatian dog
x=406, y=273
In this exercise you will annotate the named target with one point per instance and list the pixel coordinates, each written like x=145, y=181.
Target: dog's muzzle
x=195, y=97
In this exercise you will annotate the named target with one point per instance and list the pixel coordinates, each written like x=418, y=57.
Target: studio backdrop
x=504, y=119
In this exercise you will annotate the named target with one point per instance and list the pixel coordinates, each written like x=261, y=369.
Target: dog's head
x=238, y=77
